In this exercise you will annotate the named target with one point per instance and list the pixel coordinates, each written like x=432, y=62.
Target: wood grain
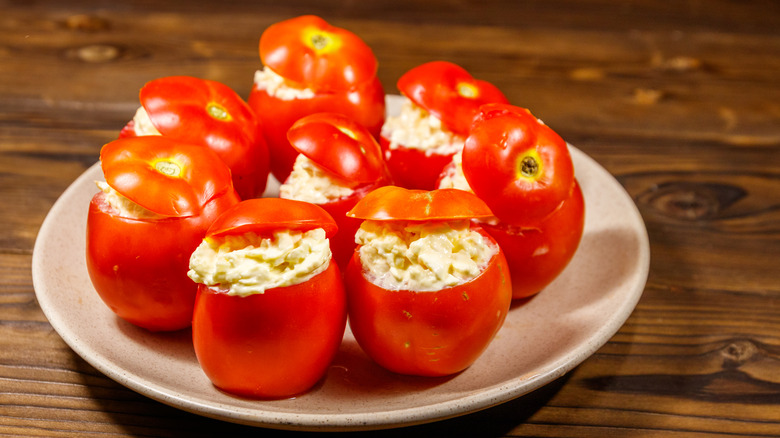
x=679, y=100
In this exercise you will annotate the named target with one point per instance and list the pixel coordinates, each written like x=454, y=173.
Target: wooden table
x=680, y=101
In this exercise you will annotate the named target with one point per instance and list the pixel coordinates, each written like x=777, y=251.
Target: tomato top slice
x=519, y=166
x=263, y=215
x=449, y=92
x=397, y=203
x=163, y=175
x=205, y=112
x=309, y=51
x=340, y=145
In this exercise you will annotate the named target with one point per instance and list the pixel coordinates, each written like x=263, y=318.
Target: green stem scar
x=467, y=90
x=168, y=168
x=319, y=41
x=217, y=111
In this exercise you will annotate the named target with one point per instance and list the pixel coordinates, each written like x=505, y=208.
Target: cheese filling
x=415, y=128
x=251, y=264
x=142, y=124
x=453, y=177
x=310, y=183
x=276, y=86
x=427, y=256
x=123, y=206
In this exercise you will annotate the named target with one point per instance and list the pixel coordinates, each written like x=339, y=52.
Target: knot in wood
x=738, y=352
x=97, y=53
x=691, y=200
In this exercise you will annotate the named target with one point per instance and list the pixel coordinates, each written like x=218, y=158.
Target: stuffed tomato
x=206, y=113
x=524, y=172
x=427, y=289
x=338, y=163
x=440, y=101
x=159, y=198
x=311, y=66
x=271, y=309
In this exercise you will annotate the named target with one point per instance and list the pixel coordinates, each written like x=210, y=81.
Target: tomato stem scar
x=168, y=168
x=467, y=90
x=529, y=167
x=319, y=41
x=217, y=111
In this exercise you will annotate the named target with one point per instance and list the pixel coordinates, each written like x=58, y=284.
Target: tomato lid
x=449, y=92
x=261, y=215
x=204, y=112
x=311, y=52
x=340, y=145
x=390, y=203
x=163, y=175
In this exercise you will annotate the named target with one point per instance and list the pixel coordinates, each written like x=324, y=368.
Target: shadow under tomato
x=176, y=345
x=352, y=371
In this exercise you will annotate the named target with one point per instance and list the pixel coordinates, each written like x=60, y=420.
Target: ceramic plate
x=542, y=338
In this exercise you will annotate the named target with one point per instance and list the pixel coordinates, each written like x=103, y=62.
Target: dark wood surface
x=680, y=101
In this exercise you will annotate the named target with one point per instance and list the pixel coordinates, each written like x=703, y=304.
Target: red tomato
x=397, y=203
x=520, y=167
x=345, y=149
x=209, y=113
x=264, y=215
x=427, y=333
x=270, y=345
x=452, y=95
x=279, y=343
x=334, y=63
x=538, y=254
x=413, y=168
x=311, y=52
x=139, y=266
x=449, y=92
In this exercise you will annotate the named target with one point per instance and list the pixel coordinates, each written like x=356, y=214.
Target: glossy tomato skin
x=515, y=163
x=271, y=345
x=538, y=254
x=412, y=168
x=428, y=333
x=449, y=92
x=139, y=266
x=209, y=113
x=365, y=103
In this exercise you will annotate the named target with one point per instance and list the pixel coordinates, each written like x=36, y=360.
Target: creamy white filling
x=422, y=256
x=142, y=124
x=276, y=86
x=310, y=183
x=415, y=128
x=251, y=264
x=123, y=206
x=453, y=176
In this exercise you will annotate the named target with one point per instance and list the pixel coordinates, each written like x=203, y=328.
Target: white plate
x=541, y=340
